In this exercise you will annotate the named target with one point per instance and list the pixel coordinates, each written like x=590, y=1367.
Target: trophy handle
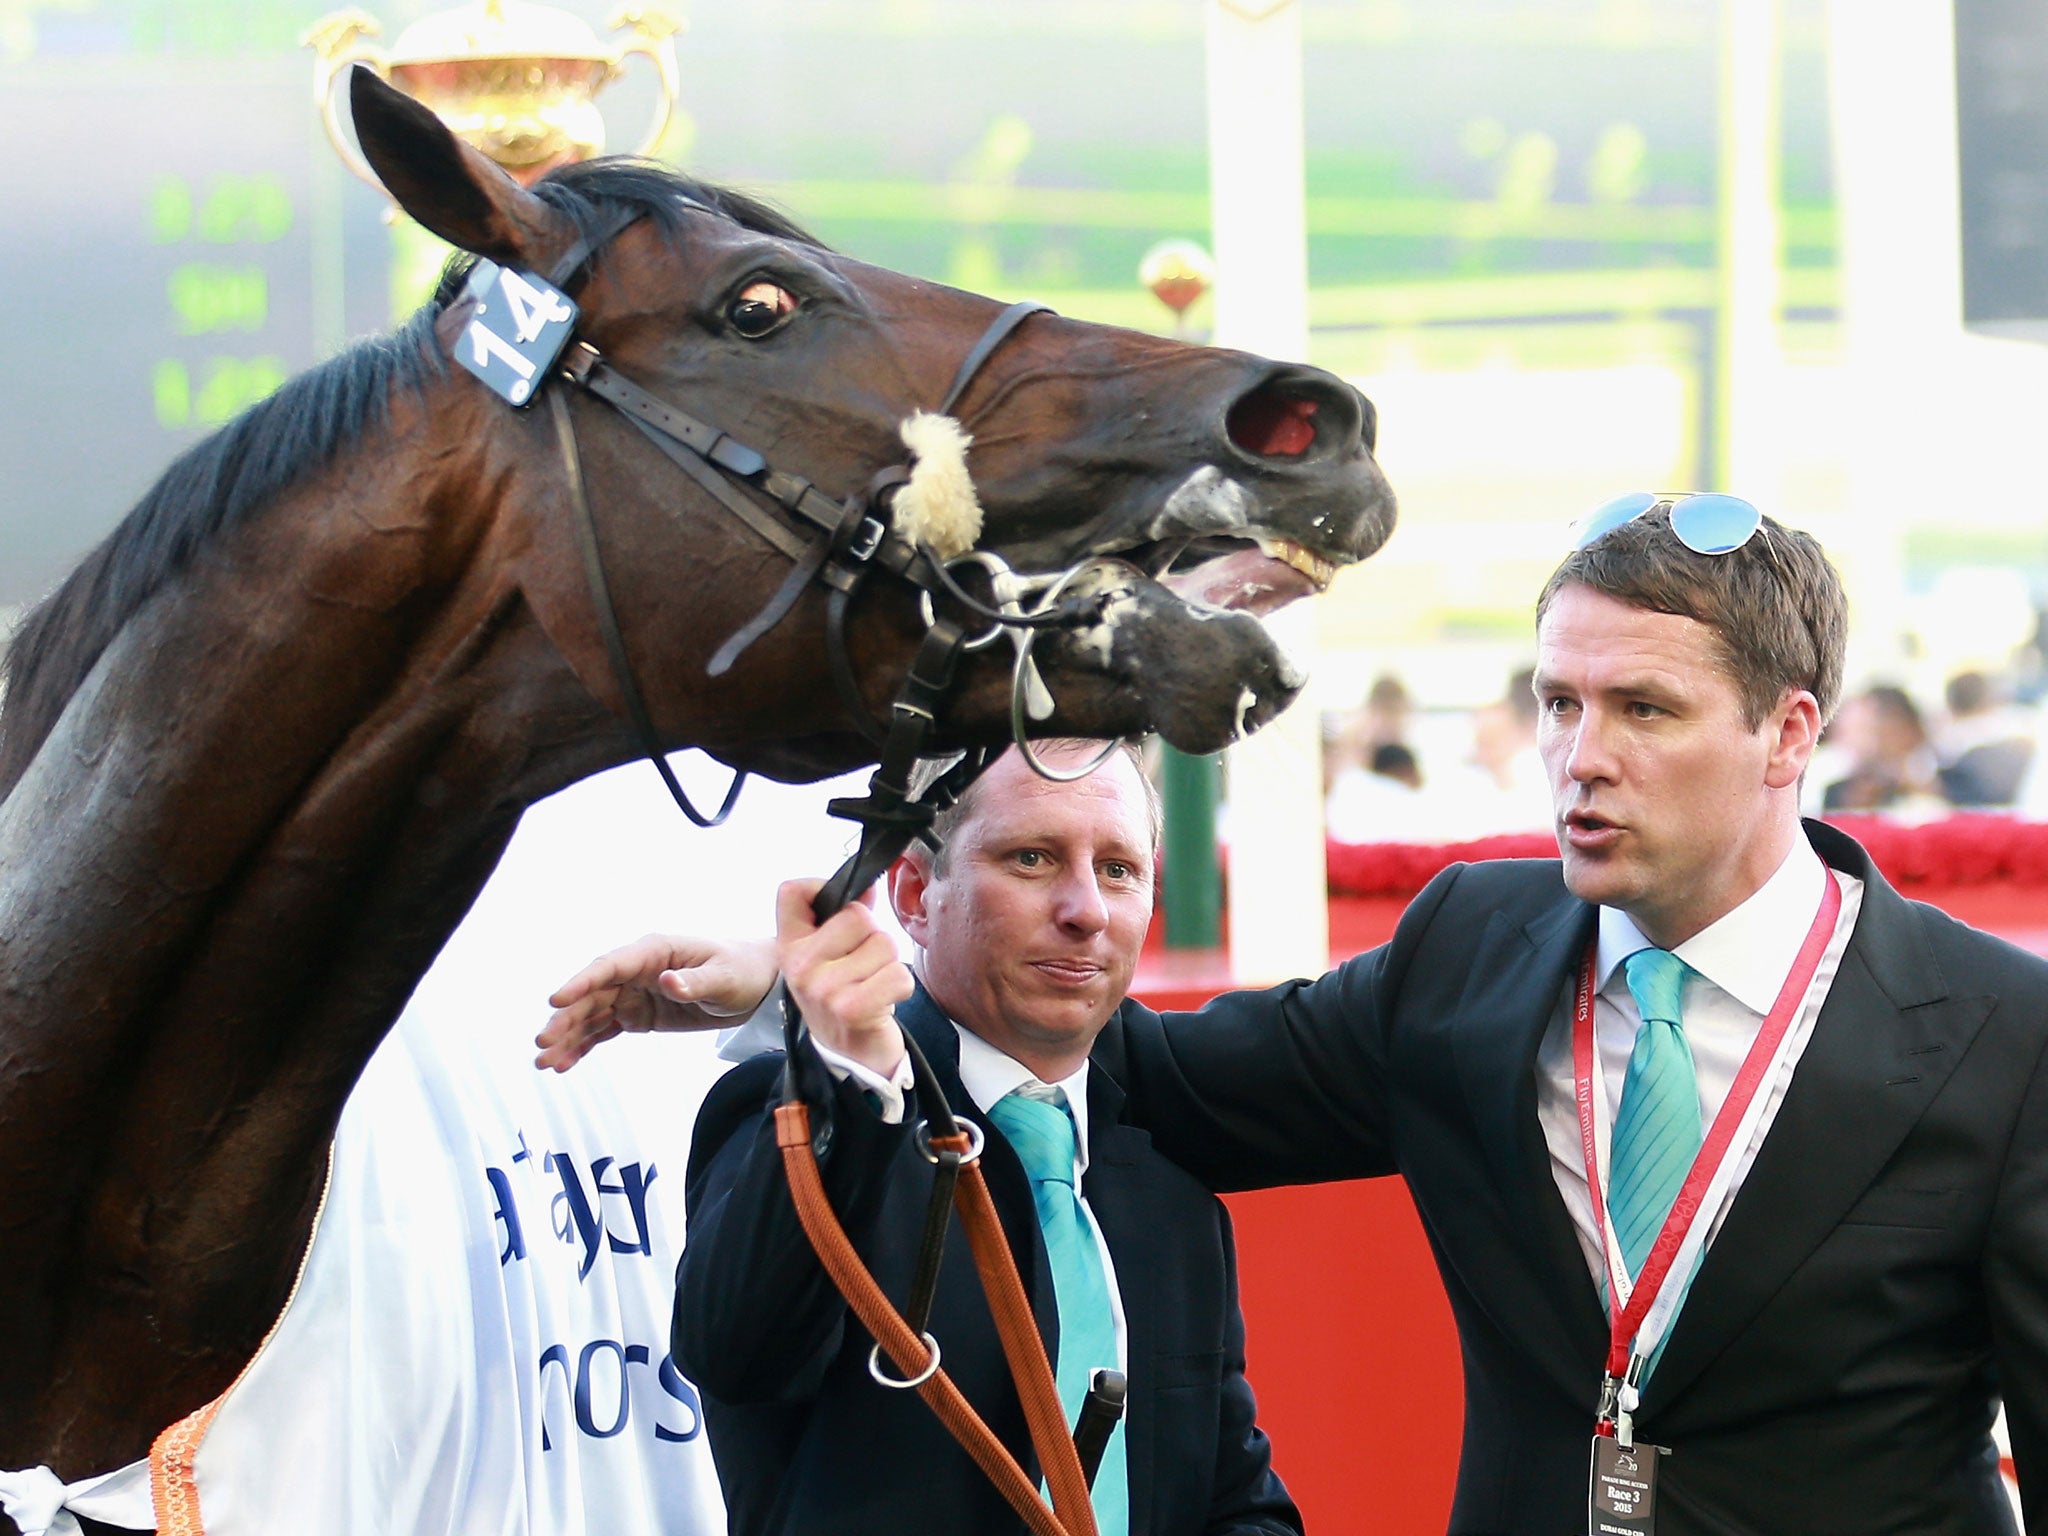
x=654, y=31
x=334, y=40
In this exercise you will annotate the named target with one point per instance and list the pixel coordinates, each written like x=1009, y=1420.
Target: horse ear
x=453, y=190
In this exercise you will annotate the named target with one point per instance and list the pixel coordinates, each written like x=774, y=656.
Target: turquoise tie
x=1042, y=1134
x=1657, y=1129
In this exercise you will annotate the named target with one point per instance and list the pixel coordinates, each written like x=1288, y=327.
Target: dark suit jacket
x=806, y=1442
x=1880, y=1279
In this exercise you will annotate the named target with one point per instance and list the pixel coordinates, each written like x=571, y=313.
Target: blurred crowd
x=1396, y=770
x=1974, y=749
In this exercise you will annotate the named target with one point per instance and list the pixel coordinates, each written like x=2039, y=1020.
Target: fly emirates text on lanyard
x=1622, y=1491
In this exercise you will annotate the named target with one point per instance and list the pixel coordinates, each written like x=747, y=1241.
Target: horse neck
x=220, y=876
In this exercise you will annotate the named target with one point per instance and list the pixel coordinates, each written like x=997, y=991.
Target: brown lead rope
x=1051, y=1435
x=1072, y=1514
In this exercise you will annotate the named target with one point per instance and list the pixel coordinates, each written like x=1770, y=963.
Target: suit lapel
x=1116, y=1196
x=1887, y=1039
x=1008, y=1187
x=1514, y=982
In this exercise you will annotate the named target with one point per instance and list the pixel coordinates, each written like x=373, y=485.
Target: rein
x=839, y=544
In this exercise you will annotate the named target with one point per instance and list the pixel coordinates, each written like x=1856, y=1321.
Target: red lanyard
x=1628, y=1319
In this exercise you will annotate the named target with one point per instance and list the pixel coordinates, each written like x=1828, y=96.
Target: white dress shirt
x=1737, y=965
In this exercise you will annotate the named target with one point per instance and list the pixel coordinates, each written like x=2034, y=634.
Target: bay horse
x=262, y=748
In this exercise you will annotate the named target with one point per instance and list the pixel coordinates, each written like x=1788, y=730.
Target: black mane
x=230, y=477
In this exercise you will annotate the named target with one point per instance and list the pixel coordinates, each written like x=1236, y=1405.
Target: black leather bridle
x=837, y=543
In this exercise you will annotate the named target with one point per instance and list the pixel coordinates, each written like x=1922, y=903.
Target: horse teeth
x=1318, y=570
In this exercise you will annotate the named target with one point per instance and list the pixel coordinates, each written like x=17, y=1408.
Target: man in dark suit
x=1710, y=1040
x=1028, y=924
x=1874, y=1273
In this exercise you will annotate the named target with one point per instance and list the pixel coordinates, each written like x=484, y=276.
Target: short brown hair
x=1775, y=604
x=948, y=821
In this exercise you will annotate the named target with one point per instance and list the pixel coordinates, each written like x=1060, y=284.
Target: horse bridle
x=839, y=544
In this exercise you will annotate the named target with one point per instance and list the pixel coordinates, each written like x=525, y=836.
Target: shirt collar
x=989, y=1075
x=1748, y=952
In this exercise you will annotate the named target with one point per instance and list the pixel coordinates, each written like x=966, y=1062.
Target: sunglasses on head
x=1707, y=523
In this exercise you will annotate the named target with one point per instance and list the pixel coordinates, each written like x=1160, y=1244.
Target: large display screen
x=1527, y=183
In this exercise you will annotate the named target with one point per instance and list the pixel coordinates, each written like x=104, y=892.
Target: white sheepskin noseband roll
x=938, y=508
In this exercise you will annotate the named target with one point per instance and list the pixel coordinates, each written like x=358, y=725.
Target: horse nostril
x=1273, y=423
x=1297, y=411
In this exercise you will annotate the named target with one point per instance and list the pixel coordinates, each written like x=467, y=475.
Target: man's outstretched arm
x=1283, y=1086
x=663, y=981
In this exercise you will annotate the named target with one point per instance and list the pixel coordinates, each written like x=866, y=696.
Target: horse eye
x=760, y=308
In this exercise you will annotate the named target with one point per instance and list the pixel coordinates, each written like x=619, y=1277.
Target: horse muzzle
x=1201, y=676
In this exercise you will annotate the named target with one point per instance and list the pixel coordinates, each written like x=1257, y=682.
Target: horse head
x=217, y=898
x=1223, y=484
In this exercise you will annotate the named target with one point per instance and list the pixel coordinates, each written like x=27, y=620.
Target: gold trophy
x=1178, y=272
x=517, y=80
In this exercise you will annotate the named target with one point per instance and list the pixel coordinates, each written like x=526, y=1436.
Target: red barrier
x=1353, y=1355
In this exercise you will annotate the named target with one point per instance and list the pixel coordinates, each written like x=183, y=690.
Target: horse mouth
x=1257, y=575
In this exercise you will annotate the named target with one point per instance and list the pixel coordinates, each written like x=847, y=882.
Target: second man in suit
x=1027, y=922
x=1725, y=1148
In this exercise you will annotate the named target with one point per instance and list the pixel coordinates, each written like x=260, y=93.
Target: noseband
x=835, y=543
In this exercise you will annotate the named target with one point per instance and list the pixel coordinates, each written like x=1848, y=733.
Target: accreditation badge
x=1621, y=1495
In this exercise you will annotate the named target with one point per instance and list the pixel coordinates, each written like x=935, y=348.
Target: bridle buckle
x=578, y=360
x=867, y=538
